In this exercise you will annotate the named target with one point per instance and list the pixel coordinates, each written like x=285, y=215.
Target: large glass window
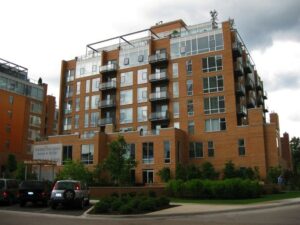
x=95, y=101
x=212, y=63
x=86, y=120
x=67, y=123
x=67, y=153
x=126, y=79
x=87, y=154
x=78, y=87
x=176, y=109
x=191, y=127
x=167, y=152
x=217, y=124
x=148, y=153
x=142, y=114
x=196, y=149
x=175, y=90
x=35, y=121
x=76, y=121
x=36, y=107
x=77, y=104
x=87, y=102
x=130, y=154
x=126, y=97
x=95, y=84
x=241, y=147
x=189, y=87
x=142, y=95
x=188, y=67
x=213, y=84
x=69, y=91
x=94, y=119
x=214, y=105
x=126, y=115
x=87, y=86
x=175, y=70
x=142, y=76
x=190, y=107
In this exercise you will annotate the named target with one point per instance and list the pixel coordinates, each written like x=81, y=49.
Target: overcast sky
x=39, y=34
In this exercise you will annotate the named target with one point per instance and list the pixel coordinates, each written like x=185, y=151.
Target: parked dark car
x=70, y=193
x=34, y=191
x=8, y=191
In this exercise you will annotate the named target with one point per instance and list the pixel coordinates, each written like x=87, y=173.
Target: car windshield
x=1, y=184
x=65, y=185
x=32, y=184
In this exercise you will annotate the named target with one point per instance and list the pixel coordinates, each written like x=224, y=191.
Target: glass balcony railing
x=107, y=103
x=242, y=110
x=104, y=121
x=158, y=57
x=238, y=68
x=108, y=85
x=240, y=90
x=109, y=68
x=158, y=77
x=248, y=68
x=156, y=96
x=237, y=49
x=161, y=115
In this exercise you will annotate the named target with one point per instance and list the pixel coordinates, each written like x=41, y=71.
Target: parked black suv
x=8, y=191
x=34, y=191
x=70, y=193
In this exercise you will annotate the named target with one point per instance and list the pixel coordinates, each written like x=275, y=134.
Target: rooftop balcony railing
x=158, y=58
x=108, y=85
x=162, y=76
x=158, y=96
x=109, y=68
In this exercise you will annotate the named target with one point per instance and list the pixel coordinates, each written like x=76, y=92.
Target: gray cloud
x=290, y=81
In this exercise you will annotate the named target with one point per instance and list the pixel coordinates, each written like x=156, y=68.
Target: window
x=78, y=87
x=86, y=120
x=210, y=149
x=126, y=115
x=67, y=153
x=147, y=176
x=11, y=99
x=82, y=71
x=126, y=61
x=176, y=109
x=94, y=68
x=34, y=134
x=148, y=153
x=214, y=105
x=188, y=67
x=87, y=154
x=212, y=63
x=36, y=107
x=95, y=101
x=87, y=103
x=196, y=149
x=67, y=123
x=167, y=151
x=126, y=79
x=140, y=58
x=126, y=97
x=95, y=84
x=70, y=74
x=76, y=121
x=191, y=127
x=35, y=121
x=190, y=107
x=130, y=154
x=142, y=114
x=189, y=87
x=142, y=95
x=77, y=104
x=68, y=107
x=177, y=125
x=87, y=86
x=241, y=146
x=218, y=124
x=175, y=70
x=142, y=76
x=94, y=119
x=175, y=90
x=213, y=84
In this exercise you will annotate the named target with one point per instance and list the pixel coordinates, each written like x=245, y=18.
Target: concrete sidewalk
x=181, y=209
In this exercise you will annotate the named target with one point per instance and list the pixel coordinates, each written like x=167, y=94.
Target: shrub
x=175, y=188
x=180, y=173
x=165, y=174
x=102, y=207
x=208, y=171
x=162, y=201
x=116, y=204
x=273, y=174
x=229, y=170
x=126, y=209
x=147, y=205
x=192, y=172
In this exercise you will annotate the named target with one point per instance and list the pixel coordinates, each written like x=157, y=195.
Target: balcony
x=265, y=95
x=248, y=68
x=266, y=109
x=107, y=103
x=237, y=49
x=259, y=85
x=238, y=68
x=109, y=68
x=251, y=102
x=241, y=110
x=149, y=132
x=249, y=84
x=240, y=90
x=108, y=85
x=260, y=100
x=159, y=116
x=67, y=127
x=67, y=111
x=104, y=121
x=158, y=77
x=159, y=96
x=158, y=58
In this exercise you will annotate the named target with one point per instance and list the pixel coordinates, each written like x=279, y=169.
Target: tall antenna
x=214, y=18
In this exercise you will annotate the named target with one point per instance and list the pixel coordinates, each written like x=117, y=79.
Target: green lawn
x=264, y=198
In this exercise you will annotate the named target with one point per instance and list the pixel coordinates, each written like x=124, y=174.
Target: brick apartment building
x=22, y=112
x=177, y=93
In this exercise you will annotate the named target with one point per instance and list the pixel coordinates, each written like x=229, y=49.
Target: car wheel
x=81, y=204
x=45, y=203
x=87, y=203
x=69, y=194
x=53, y=206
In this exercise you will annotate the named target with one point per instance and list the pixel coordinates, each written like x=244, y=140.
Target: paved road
x=285, y=215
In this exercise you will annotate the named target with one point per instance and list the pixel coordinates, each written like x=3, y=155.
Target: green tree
x=295, y=148
x=164, y=174
x=273, y=174
x=118, y=163
x=75, y=170
x=180, y=173
x=192, y=172
x=11, y=163
x=208, y=171
x=229, y=170
x=20, y=173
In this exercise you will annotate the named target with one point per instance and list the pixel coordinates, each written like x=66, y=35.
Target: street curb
x=148, y=215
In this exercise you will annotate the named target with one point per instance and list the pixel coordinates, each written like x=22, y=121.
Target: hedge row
x=129, y=204
x=235, y=188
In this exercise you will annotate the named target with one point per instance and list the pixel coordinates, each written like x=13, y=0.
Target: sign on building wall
x=51, y=152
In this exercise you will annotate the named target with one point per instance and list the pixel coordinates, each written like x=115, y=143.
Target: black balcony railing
x=109, y=68
x=108, y=85
x=240, y=90
x=159, y=116
x=249, y=84
x=158, y=96
x=238, y=68
x=251, y=102
x=237, y=49
x=162, y=76
x=259, y=85
x=107, y=103
x=242, y=110
x=158, y=58
x=248, y=68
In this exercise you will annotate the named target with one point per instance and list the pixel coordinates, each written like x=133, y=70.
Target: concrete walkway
x=181, y=209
